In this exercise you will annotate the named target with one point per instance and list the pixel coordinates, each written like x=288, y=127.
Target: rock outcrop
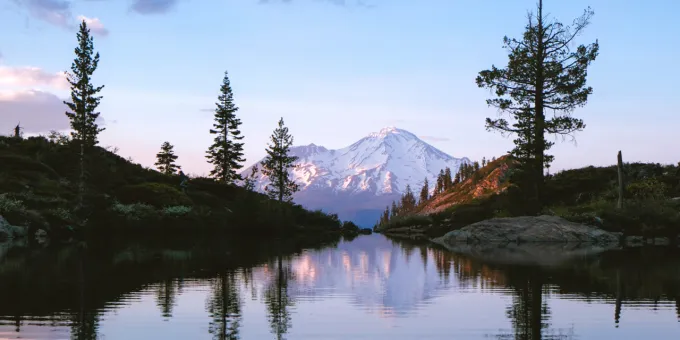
x=529, y=240
x=529, y=229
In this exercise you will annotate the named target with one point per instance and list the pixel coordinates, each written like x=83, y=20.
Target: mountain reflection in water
x=368, y=288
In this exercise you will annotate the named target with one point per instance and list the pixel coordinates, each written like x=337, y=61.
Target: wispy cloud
x=32, y=76
x=59, y=13
x=55, y=12
x=147, y=7
x=434, y=139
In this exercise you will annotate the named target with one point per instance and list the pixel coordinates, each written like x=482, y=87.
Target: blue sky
x=335, y=71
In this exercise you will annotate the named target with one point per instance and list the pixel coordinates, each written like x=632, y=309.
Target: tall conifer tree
x=165, y=159
x=425, y=192
x=448, y=180
x=84, y=100
x=544, y=73
x=277, y=163
x=408, y=200
x=226, y=152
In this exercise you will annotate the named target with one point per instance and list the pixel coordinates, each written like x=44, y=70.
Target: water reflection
x=224, y=306
x=278, y=300
x=370, y=287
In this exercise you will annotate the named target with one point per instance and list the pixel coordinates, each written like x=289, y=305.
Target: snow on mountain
x=376, y=169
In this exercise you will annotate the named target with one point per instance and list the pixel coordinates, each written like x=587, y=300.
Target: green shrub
x=176, y=211
x=16, y=163
x=205, y=199
x=638, y=217
x=58, y=216
x=213, y=187
x=135, y=211
x=9, y=204
x=408, y=221
x=16, y=213
x=40, y=202
x=155, y=194
x=648, y=188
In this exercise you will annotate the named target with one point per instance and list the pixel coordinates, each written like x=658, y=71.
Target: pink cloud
x=59, y=13
x=95, y=25
x=32, y=76
x=37, y=111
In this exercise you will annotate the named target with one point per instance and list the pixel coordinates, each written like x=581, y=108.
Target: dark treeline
x=68, y=186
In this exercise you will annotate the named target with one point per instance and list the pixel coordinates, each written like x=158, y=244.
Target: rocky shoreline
x=525, y=229
x=529, y=240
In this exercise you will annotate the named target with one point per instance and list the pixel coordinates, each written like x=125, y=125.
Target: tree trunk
x=620, y=172
x=81, y=180
x=539, y=127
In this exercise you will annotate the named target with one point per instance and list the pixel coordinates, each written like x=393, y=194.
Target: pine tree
x=165, y=160
x=384, y=217
x=448, y=180
x=425, y=192
x=439, y=187
x=84, y=100
x=408, y=200
x=277, y=163
x=456, y=179
x=226, y=152
x=543, y=73
x=475, y=166
x=483, y=161
x=395, y=210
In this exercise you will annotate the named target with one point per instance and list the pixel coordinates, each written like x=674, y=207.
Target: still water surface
x=368, y=288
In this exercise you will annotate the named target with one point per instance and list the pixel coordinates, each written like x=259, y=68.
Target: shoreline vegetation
x=67, y=188
x=651, y=207
x=536, y=93
x=124, y=200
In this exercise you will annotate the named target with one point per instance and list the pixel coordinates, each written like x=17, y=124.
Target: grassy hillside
x=123, y=199
x=587, y=195
x=489, y=180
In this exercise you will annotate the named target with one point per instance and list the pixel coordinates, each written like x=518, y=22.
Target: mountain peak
x=389, y=130
x=359, y=180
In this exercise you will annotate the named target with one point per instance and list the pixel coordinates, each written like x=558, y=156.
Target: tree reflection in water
x=72, y=289
x=84, y=321
x=278, y=299
x=224, y=306
x=166, y=295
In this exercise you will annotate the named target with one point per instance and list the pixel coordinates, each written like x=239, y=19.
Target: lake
x=371, y=287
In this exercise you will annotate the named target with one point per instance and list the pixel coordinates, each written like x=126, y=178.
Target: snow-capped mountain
x=357, y=182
